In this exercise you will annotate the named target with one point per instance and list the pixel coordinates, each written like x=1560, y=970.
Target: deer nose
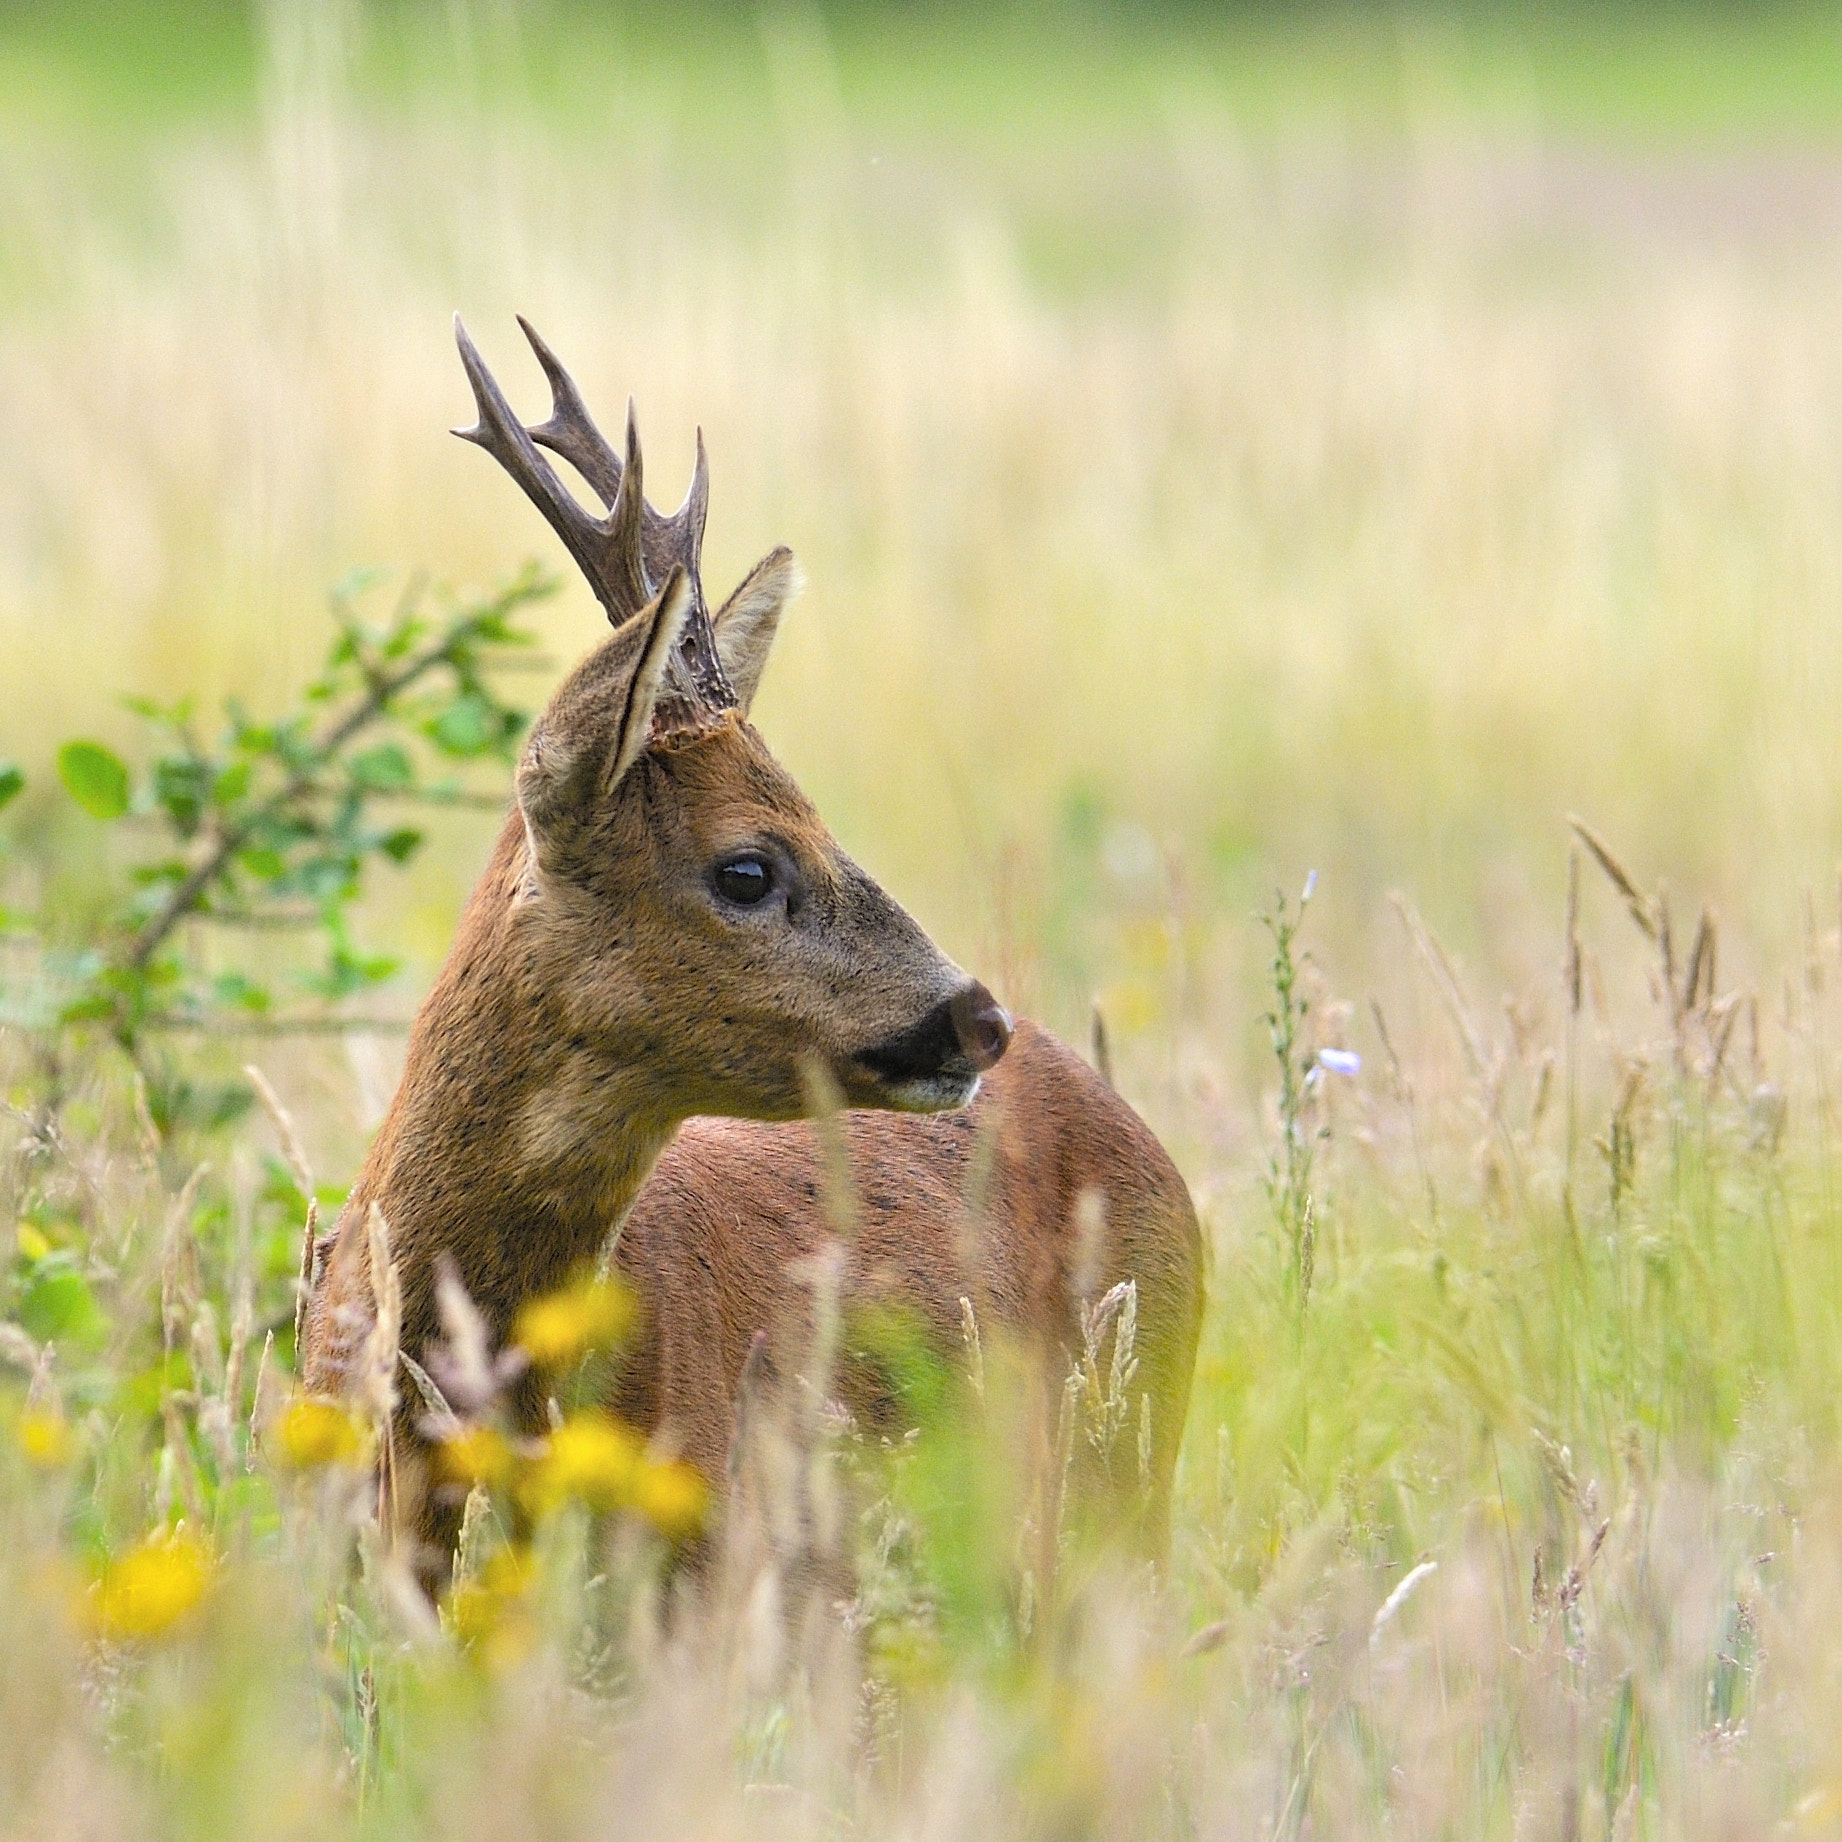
x=982, y=1025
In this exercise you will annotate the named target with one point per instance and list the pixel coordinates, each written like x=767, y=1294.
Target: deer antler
x=626, y=555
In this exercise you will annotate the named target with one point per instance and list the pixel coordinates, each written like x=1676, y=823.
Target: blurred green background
x=1222, y=442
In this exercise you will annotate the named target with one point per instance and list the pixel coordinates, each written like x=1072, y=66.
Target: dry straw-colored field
x=1215, y=457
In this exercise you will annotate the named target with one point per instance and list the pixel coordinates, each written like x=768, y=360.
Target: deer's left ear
x=599, y=721
x=746, y=622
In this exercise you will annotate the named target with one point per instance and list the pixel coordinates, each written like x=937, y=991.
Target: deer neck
x=515, y=1143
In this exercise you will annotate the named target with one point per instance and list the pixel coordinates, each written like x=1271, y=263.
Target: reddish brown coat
x=715, y=1242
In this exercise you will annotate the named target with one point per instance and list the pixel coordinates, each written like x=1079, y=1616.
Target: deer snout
x=982, y=1025
x=936, y=1062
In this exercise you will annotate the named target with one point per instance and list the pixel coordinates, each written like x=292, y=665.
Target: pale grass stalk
x=43, y=1385
x=378, y=1359
x=1396, y=1602
x=1102, y=1046
x=294, y=1154
x=18, y=1347
x=975, y=1350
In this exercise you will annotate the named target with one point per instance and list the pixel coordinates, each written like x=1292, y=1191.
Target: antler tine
x=571, y=430
x=680, y=538
x=630, y=549
x=627, y=512
x=607, y=553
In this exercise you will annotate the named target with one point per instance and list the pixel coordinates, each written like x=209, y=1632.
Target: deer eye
x=744, y=880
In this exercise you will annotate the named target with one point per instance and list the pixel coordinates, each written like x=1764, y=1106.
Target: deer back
x=1037, y=1199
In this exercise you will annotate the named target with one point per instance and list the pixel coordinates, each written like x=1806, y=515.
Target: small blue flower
x=1311, y=888
x=1341, y=1061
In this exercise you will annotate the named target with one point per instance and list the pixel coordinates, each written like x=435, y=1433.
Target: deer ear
x=746, y=622
x=597, y=725
x=669, y=611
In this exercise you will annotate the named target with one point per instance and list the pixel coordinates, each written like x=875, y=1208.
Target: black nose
x=982, y=1025
x=960, y=1037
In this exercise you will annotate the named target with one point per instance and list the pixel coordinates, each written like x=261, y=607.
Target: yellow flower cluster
x=475, y=1455
x=45, y=1438
x=491, y=1613
x=562, y=1327
x=673, y=1498
x=588, y=1458
x=150, y=1589
x=312, y=1431
x=593, y=1460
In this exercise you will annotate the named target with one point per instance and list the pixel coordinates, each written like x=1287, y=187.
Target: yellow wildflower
x=673, y=1498
x=149, y=1590
x=45, y=1438
x=312, y=1431
x=590, y=1458
x=32, y=1242
x=474, y=1455
x=563, y=1326
x=491, y=1612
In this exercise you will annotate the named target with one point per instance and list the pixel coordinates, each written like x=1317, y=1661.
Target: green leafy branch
x=272, y=825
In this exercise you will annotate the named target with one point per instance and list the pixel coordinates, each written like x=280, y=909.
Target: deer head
x=676, y=896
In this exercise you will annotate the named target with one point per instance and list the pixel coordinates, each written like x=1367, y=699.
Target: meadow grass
x=1218, y=450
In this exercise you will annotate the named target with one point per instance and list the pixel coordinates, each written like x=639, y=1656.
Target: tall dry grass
x=1186, y=504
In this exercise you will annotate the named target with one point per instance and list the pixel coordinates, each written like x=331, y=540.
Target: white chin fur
x=937, y=1094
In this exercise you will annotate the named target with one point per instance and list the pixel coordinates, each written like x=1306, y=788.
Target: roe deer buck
x=1043, y=1194
x=666, y=928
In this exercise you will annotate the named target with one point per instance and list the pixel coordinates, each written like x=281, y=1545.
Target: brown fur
x=715, y=1241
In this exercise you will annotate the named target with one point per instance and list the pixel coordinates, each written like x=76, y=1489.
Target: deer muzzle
x=935, y=1064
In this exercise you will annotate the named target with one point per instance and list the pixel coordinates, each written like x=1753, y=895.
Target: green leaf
x=143, y=1393
x=400, y=846
x=58, y=1305
x=11, y=780
x=98, y=780
x=385, y=769
x=348, y=972
x=328, y=879
x=401, y=640
x=90, y=1007
x=464, y=727
x=234, y=991
x=181, y=784
x=266, y=864
x=200, y=1105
